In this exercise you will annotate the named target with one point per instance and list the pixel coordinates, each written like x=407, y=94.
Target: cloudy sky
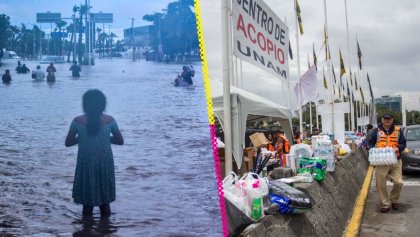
x=24, y=11
x=386, y=31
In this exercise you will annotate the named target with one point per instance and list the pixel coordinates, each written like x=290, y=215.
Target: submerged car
x=411, y=155
x=52, y=59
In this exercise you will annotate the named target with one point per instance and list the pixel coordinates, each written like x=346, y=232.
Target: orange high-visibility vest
x=390, y=140
x=270, y=147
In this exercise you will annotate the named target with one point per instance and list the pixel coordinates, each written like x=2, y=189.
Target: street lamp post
x=74, y=37
x=40, y=43
x=110, y=41
x=132, y=39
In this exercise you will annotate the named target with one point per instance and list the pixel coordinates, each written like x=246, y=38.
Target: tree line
x=30, y=42
x=175, y=29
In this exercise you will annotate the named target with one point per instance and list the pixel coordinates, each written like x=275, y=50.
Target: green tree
x=5, y=33
x=71, y=29
x=175, y=29
x=82, y=10
x=60, y=26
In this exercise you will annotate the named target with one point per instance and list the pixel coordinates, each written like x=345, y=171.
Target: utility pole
x=103, y=41
x=48, y=43
x=40, y=42
x=87, y=32
x=110, y=41
x=132, y=39
x=51, y=31
x=160, y=38
x=74, y=37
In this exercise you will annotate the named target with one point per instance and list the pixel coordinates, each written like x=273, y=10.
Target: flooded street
x=165, y=180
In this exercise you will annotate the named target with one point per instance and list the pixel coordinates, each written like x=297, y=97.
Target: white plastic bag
x=301, y=150
x=254, y=187
x=230, y=183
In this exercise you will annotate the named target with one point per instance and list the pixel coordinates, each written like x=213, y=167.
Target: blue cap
x=387, y=116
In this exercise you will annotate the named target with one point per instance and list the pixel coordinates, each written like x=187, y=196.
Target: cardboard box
x=258, y=139
x=247, y=161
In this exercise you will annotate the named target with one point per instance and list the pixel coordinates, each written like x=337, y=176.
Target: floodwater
x=164, y=172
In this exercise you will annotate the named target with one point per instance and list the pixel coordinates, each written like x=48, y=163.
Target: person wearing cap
x=388, y=135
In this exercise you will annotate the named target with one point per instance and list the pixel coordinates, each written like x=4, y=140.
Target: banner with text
x=260, y=37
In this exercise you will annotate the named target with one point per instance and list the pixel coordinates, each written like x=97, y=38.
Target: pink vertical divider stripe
x=219, y=180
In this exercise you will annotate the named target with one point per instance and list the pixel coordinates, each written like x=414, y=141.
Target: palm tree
x=82, y=11
x=70, y=29
x=15, y=33
x=111, y=41
x=23, y=39
x=99, y=30
x=103, y=37
x=60, y=25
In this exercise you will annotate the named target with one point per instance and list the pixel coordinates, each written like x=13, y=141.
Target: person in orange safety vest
x=387, y=135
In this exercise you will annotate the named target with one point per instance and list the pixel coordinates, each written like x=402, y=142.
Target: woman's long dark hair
x=94, y=103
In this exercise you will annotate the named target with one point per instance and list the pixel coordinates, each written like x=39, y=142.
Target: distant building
x=393, y=103
x=141, y=36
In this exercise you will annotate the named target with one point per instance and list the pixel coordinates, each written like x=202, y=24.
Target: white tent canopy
x=246, y=105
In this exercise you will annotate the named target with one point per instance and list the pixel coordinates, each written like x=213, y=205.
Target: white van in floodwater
x=9, y=57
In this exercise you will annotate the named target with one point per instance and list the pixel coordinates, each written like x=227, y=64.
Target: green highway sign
x=101, y=17
x=48, y=17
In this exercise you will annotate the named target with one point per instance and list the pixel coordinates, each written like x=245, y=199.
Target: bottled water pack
x=382, y=156
x=325, y=149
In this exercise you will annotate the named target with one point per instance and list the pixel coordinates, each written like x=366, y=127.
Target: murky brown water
x=165, y=179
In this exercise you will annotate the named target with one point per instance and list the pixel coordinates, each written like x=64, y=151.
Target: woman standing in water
x=94, y=132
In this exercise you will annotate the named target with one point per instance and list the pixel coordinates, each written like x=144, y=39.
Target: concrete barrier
x=333, y=202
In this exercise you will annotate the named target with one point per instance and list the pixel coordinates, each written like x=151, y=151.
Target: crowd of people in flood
x=38, y=74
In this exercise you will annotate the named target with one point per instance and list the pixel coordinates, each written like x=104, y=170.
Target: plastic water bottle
x=331, y=162
x=256, y=201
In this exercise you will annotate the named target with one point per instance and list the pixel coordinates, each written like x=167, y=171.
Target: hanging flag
x=329, y=52
x=326, y=43
x=361, y=93
x=348, y=89
x=290, y=51
x=308, y=82
x=370, y=87
x=335, y=79
x=339, y=92
x=351, y=80
x=355, y=81
x=309, y=64
x=325, y=79
x=299, y=17
x=342, y=68
x=359, y=54
x=341, y=82
x=313, y=52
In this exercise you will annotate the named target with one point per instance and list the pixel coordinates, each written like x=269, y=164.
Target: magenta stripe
x=219, y=180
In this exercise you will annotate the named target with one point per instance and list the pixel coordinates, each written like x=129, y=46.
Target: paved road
x=403, y=222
